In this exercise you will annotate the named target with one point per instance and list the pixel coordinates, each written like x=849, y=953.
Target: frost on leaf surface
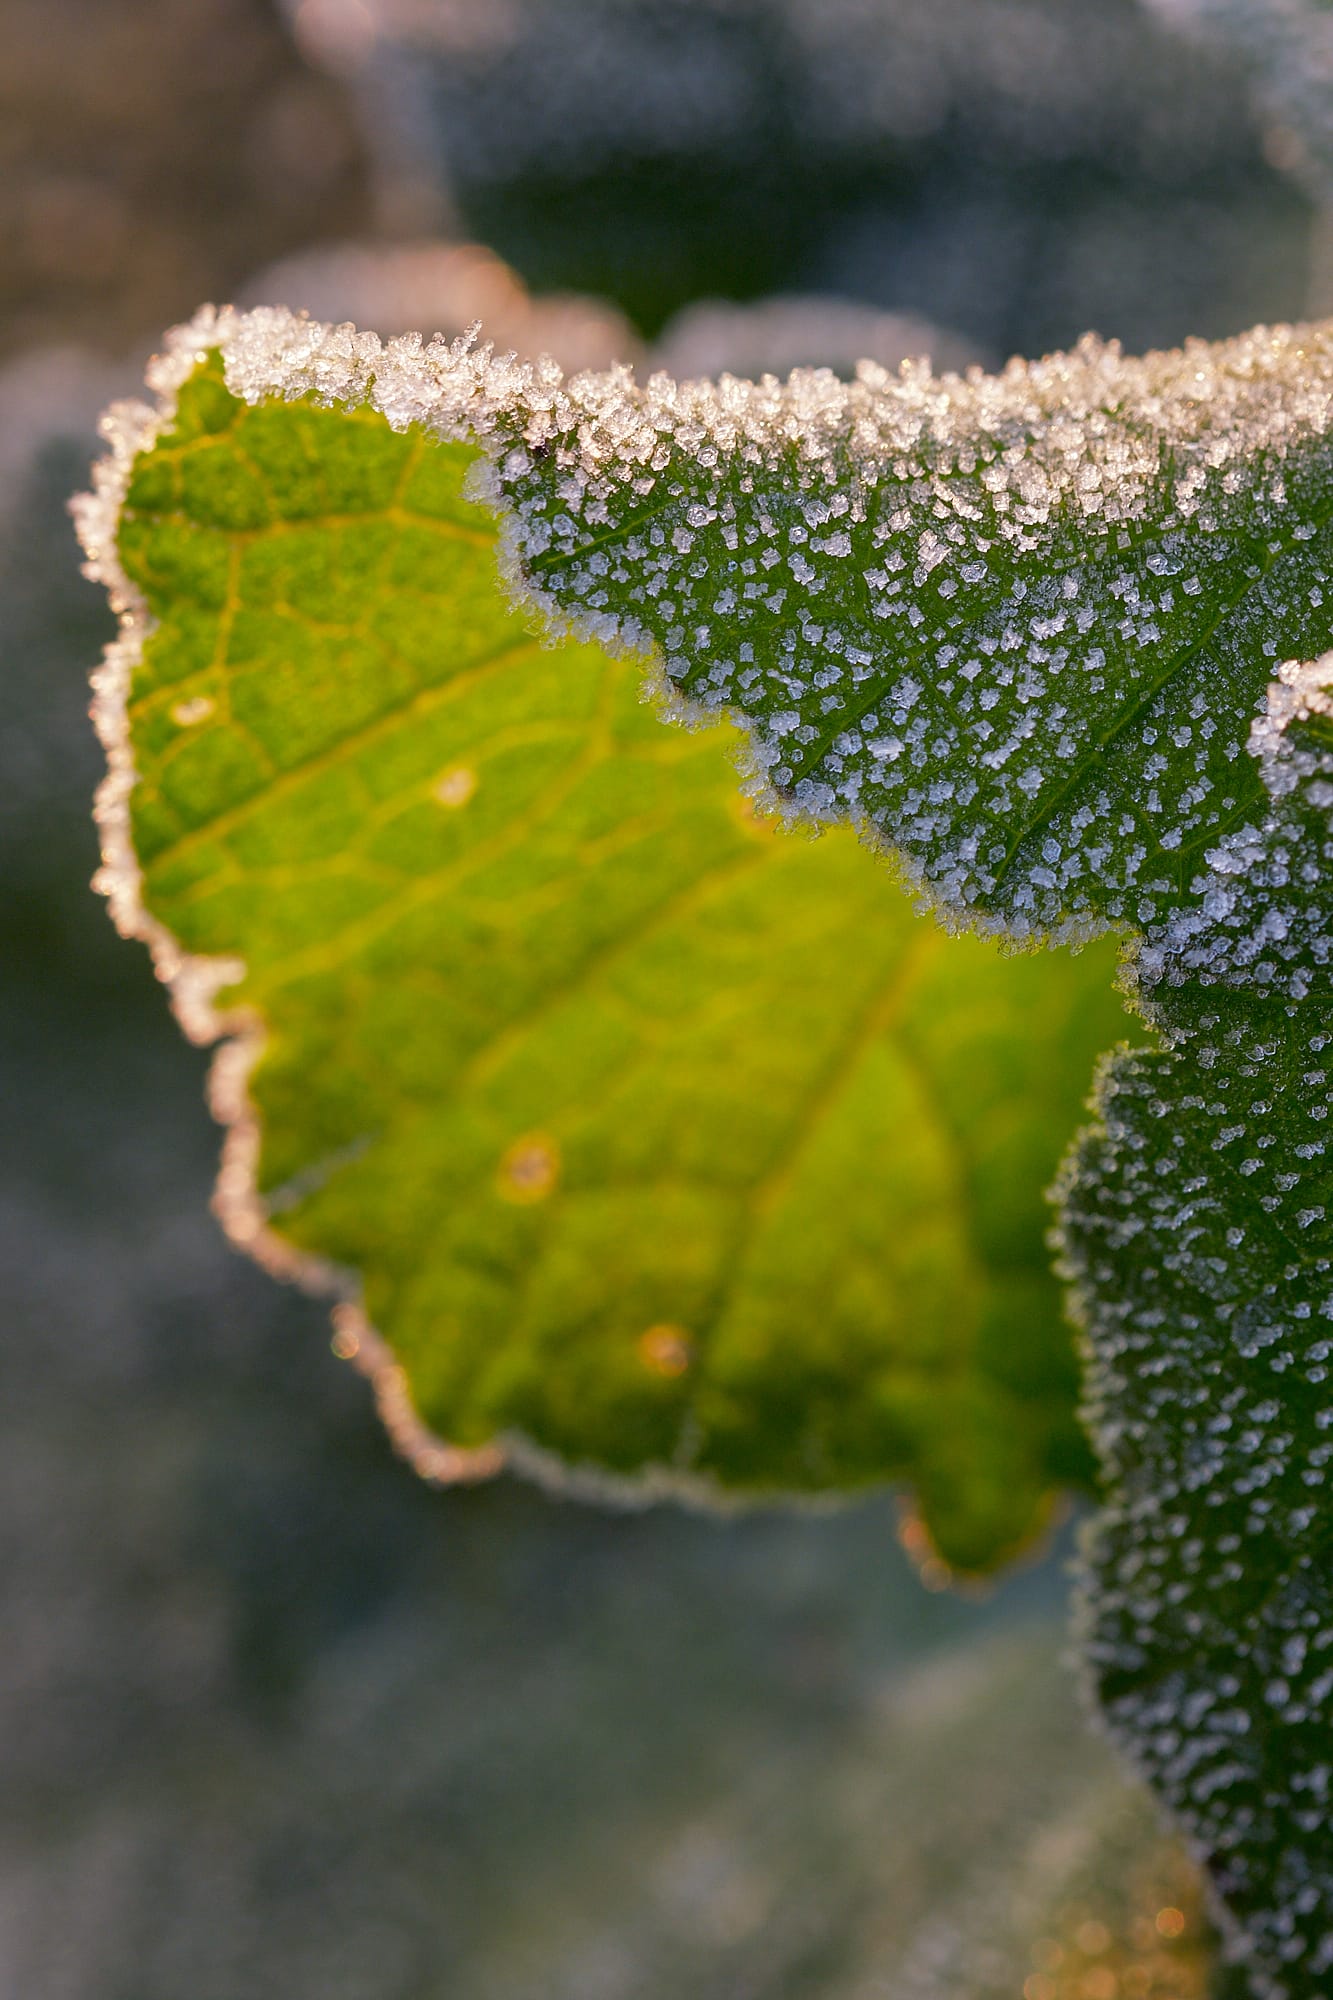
x=1016, y=626
x=1197, y=1232
x=648, y=1140
x=1196, y=1229
x=1262, y=915
x=729, y=1196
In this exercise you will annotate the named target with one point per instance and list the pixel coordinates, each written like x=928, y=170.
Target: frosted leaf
x=531, y=1057
x=1262, y=912
x=1287, y=46
x=1014, y=627
x=1040, y=636
x=1196, y=1230
x=1197, y=1224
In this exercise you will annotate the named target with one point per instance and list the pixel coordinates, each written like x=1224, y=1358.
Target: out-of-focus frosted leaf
x=1019, y=169
x=652, y=1140
x=1287, y=47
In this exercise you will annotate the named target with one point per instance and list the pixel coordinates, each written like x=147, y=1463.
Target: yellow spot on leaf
x=1170, y=1922
x=198, y=709
x=530, y=1169
x=456, y=787
x=665, y=1349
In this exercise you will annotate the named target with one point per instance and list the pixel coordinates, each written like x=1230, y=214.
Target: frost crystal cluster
x=1057, y=640
x=1017, y=626
x=1261, y=912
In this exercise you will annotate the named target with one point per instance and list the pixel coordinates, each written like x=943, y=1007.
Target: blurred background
x=276, y=1719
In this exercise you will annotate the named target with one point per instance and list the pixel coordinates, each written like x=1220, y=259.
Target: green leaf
x=651, y=1141
x=1196, y=1230
x=1039, y=635
x=1018, y=626
x=1195, y=1222
x=1026, y=632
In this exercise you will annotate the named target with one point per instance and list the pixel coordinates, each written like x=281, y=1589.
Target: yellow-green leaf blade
x=652, y=1140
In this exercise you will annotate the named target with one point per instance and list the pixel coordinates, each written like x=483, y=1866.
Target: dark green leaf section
x=1196, y=1224
x=1262, y=918
x=654, y=1140
x=1197, y=1230
x=1017, y=626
